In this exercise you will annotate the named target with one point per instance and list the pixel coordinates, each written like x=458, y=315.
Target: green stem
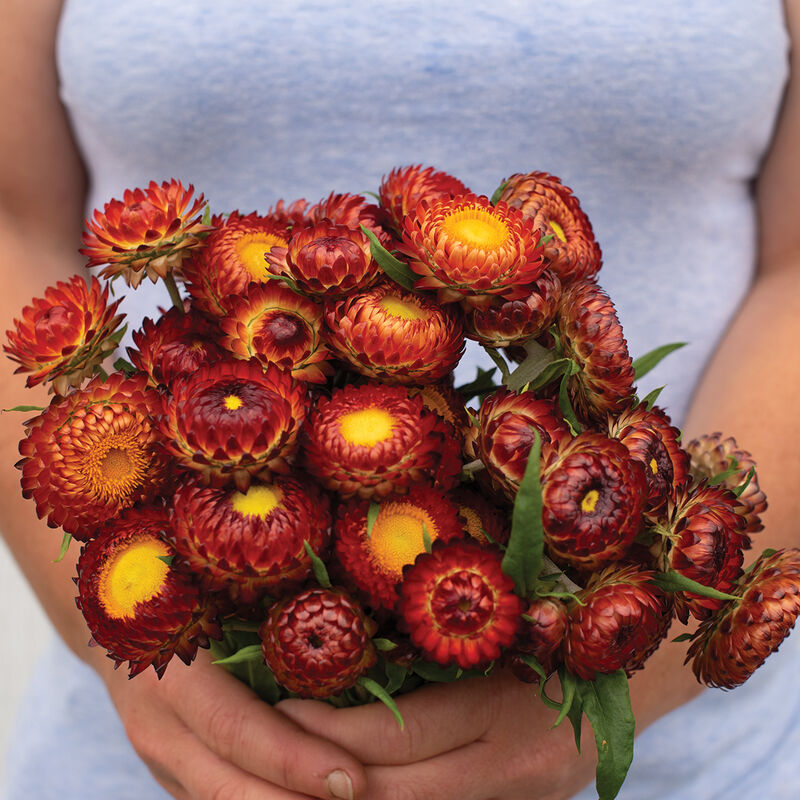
x=172, y=288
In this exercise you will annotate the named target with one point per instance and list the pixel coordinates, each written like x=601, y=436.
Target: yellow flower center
x=257, y=501
x=589, y=501
x=251, y=249
x=474, y=524
x=476, y=227
x=115, y=466
x=653, y=466
x=397, y=537
x=558, y=230
x=366, y=427
x=232, y=402
x=134, y=574
x=403, y=309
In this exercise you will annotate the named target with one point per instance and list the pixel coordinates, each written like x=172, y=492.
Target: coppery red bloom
x=404, y=187
x=731, y=645
x=593, y=495
x=711, y=456
x=278, y=326
x=620, y=624
x=591, y=335
x=63, y=336
x=149, y=232
x=506, y=322
x=326, y=260
x=394, y=335
x=177, y=344
x=233, y=257
x=542, y=633
x=137, y=606
x=373, y=560
x=507, y=423
x=318, y=643
x=248, y=544
x=375, y=440
x=351, y=210
x=653, y=441
x=443, y=400
x=572, y=251
x=458, y=605
x=232, y=421
x=93, y=453
x=471, y=251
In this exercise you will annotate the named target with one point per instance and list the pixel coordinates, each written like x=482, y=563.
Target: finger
x=242, y=729
x=437, y=718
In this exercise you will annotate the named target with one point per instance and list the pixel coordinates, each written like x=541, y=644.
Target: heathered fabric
x=656, y=114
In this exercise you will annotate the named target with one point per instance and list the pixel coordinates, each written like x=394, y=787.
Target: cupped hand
x=206, y=736
x=477, y=739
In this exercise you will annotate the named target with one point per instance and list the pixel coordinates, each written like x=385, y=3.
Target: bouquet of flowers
x=283, y=469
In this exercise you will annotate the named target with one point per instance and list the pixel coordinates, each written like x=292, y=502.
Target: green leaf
x=720, y=477
x=483, y=384
x=384, y=645
x=500, y=361
x=435, y=673
x=206, y=214
x=568, y=691
x=643, y=364
x=289, y=281
x=252, y=652
x=166, y=559
x=65, y=541
x=497, y=193
x=522, y=561
x=546, y=239
x=607, y=704
x=675, y=582
x=566, y=406
x=372, y=194
x=684, y=637
x=555, y=369
x=116, y=337
x=372, y=514
x=426, y=539
x=533, y=663
x=398, y=271
x=536, y=360
x=575, y=717
x=25, y=408
x=396, y=675
x=649, y=400
x=742, y=486
x=376, y=690
x=317, y=564
x=123, y=365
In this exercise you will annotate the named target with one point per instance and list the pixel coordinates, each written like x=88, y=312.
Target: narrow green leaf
x=545, y=698
x=575, y=717
x=206, y=214
x=522, y=561
x=318, y=565
x=376, y=690
x=483, y=384
x=607, y=705
x=649, y=400
x=289, y=281
x=533, y=663
x=116, y=337
x=742, y=486
x=497, y=193
x=675, y=582
x=500, y=361
x=684, y=637
x=166, y=559
x=546, y=239
x=384, y=645
x=435, y=672
x=555, y=369
x=536, y=360
x=372, y=194
x=252, y=652
x=372, y=514
x=396, y=675
x=398, y=271
x=568, y=691
x=720, y=477
x=426, y=539
x=65, y=541
x=123, y=365
x=565, y=405
x=563, y=596
x=25, y=408
x=643, y=364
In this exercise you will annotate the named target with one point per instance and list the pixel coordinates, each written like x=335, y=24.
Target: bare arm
x=202, y=734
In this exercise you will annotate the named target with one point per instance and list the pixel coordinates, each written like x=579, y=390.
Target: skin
x=204, y=735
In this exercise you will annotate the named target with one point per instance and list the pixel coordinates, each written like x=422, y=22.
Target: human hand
x=476, y=739
x=206, y=736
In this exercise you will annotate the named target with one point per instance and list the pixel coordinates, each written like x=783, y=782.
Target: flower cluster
x=283, y=469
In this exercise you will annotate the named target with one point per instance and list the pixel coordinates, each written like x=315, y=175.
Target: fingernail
x=339, y=785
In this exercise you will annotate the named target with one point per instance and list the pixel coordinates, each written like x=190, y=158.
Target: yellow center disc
x=653, y=466
x=258, y=501
x=366, y=427
x=251, y=249
x=396, y=307
x=115, y=465
x=476, y=227
x=589, y=501
x=134, y=574
x=558, y=230
x=232, y=402
x=397, y=537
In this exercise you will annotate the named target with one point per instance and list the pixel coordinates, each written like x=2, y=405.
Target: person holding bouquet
x=678, y=128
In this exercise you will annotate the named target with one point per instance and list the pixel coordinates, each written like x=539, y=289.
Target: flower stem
x=174, y=293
